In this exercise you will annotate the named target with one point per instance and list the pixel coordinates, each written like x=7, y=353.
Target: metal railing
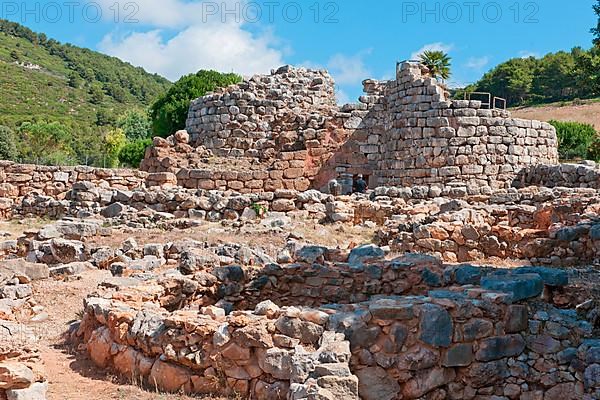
x=489, y=102
x=501, y=100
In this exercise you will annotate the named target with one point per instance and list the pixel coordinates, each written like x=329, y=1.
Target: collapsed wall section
x=288, y=110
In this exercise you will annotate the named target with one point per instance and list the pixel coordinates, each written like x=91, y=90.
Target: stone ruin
x=480, y=282
x=286, y=131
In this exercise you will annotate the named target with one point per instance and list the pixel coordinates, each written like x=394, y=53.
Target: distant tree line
x=555, y=77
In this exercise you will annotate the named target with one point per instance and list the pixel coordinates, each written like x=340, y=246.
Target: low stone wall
x=583, y=175
x=461, y=343
x=559, y=227
x=180, y=203
x=19, y=180
x=544, y=226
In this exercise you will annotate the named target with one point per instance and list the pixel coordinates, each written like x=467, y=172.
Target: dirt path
x=71, y=375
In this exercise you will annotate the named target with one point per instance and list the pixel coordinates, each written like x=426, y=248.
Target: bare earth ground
x=71, y=375
x=588, y=113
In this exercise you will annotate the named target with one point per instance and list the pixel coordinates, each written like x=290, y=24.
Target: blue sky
x=354, y=39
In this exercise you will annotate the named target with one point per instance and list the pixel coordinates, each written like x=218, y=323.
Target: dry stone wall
x=583, y=175
x=20, y=180
x=432, y=140
x=260, y=117
x=403, y=132
x=461, y=342
x=558, y=226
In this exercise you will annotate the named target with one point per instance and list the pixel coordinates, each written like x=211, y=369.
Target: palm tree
x=438, y=63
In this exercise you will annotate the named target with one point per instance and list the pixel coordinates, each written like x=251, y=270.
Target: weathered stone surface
x=459, y=355
x=34, y=271
x=498, y=347
x=99, y=347
x=592, y=376
x=543, y=344
x=520, y=287
x=277, y=362
x=435, y=325
x=476, y=329
x=563, y=391
x=375, y=384
x=307, y=332
x=365, y=253
x=37, y=391
x=516, y=319
x=592, y=356
x=67, y=251
x=169, y=377
x=15, y=375
x=426, y=381
x=389, y=309
x=487, y=374
x=341, y=387
x=113, y=210
x=550, y=276
x=467, y=275
x=310, y=254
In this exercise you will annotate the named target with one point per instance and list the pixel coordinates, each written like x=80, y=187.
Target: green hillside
x=42, y=79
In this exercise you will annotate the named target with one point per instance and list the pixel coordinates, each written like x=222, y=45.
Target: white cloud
x=345, y=69
x=202, y=40
x=438, y=46
x=457, y=84
x=477, y=63
x=223, y=47
x=310, y=65
x=349, y=70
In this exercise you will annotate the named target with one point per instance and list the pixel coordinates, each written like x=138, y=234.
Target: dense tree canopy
x=596, y=30
x=169, y=112
x=554, y=77
x=45, y=143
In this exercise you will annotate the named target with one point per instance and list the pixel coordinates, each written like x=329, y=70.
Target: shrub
x=46, y=143
x=8, y=147
x=575, y=140
x=170, y=111
x=132, y=154
x=114, y=141
x=135, y=124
